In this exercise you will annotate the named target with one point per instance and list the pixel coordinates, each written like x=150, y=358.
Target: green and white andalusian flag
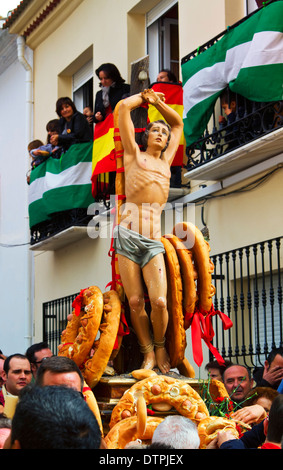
x=60, y=185
x=248, y=58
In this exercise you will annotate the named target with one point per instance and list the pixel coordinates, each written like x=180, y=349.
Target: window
x=163, y=38
x=252, y=5
x=83, y=86
x=268, y=314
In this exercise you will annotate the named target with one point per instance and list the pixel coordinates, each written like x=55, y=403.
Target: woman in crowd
x=113, y=89
x=74, y=127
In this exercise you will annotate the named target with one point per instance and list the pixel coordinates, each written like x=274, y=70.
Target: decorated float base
x=110, y=390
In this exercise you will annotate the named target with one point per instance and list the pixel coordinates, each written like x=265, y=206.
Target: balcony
x=254, y=138
x=64, y=202
x=230, y=86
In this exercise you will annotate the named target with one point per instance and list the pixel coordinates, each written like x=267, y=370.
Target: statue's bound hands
x=152, y=97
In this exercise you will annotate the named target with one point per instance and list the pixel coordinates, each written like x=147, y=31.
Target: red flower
x=229, y=402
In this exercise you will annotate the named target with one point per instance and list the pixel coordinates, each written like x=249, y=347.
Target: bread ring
x=92, y=304
x=194, y=240
x=186, y=369
x=140, y=374
x=94, y=367
x=210, y=426
x=189, y=276
x=217, y=389
x=125, y=431
x=92, y=403
x=69, y=335
x=175, y=333
x=162, y=407
x=161, y=389
x=141, y=416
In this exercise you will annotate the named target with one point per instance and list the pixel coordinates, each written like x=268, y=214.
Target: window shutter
x=82, y=76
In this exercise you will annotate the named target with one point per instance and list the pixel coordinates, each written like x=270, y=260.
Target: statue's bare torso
x=146, y=188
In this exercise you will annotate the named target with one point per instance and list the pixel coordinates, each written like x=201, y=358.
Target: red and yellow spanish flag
x=174, y=98
x=103, y=152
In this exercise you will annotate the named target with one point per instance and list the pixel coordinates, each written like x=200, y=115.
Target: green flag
x=60, y=185
x=248, y=58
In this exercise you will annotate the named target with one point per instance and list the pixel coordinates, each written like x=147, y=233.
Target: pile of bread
x=163, y=394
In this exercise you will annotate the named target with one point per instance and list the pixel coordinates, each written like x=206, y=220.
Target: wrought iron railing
x=55, y=313
x=59, y=222
x=251, y=121
x=249, y=290
x=248, y=283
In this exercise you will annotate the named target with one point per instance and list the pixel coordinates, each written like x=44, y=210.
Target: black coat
x=252, y=439
x=116, y=94
x=78, y=131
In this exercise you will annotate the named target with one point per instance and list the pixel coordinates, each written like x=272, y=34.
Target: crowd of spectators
x=42, y=406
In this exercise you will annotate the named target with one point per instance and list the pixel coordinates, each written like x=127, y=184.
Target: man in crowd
x=36, y=354
x=271, y=374
x=16, y=375
x=238, y=383
x=177, y=432
x=215, y=370
x=53, y=418
x=60, y=370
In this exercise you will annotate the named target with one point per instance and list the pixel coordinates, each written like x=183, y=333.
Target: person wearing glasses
x=36, y=353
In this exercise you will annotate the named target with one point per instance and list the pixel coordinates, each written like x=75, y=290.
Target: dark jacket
x=116, y=94
x=78, y=131
x=252, y=439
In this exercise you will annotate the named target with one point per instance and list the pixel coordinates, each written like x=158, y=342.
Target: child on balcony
x=232, y=110
x=88, y=113
x=40, y=152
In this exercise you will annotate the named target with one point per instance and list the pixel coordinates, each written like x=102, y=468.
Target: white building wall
x=15, y=256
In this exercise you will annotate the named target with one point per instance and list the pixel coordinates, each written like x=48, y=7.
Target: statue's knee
x=136, y=303
x=158, y=304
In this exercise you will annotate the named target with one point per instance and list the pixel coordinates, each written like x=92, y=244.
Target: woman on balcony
x=74, y=128
x=113, y=89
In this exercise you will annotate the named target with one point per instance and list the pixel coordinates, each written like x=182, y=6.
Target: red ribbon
x=201, y=328
x=123, y=326
x=77, y=303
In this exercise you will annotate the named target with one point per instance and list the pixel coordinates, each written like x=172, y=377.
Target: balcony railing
x=249, y=121
x=248, y=283
x=252, y=120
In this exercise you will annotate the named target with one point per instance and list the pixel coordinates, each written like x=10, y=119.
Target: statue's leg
x=154, y=274
x=131, y=278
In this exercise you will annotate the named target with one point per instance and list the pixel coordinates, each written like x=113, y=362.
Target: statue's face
x=158, y=135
